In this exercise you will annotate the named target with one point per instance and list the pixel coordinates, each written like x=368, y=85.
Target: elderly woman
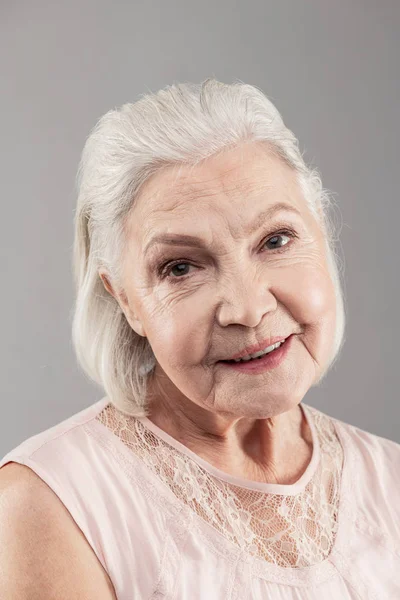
x=208, y=303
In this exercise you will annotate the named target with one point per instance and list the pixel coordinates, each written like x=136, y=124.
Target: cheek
x=305, y=288
x=313, y=306
x=315, y=295
x=174, y=329
x=178, y=330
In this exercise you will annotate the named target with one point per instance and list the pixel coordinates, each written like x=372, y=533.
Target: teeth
x=260, y=353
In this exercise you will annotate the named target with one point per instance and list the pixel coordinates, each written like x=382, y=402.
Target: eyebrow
x=178, y=239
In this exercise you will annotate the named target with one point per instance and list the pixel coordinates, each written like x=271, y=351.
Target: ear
x=106, y=282
x=123, y=302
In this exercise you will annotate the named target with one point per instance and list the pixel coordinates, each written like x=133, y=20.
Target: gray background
x=332, y=71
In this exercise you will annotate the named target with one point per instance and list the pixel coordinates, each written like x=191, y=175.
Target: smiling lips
x=248, y=350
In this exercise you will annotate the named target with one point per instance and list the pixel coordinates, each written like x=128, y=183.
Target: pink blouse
x=166, y=524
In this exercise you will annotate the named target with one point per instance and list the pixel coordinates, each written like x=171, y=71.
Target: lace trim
x=284, y=530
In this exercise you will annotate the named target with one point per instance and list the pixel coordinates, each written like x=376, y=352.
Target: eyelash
x=163, y=272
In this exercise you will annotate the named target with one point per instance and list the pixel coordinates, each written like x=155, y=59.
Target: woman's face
x=246, y=278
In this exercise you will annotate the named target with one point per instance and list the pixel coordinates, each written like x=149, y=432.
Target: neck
x=277, y=449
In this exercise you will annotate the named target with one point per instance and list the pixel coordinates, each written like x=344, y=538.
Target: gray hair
x=181, y=124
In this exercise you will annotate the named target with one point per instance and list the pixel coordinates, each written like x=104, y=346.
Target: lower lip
x=259, y=365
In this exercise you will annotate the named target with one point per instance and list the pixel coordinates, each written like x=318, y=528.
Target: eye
x=276, y=237
x=178, y=270
x=165, y=269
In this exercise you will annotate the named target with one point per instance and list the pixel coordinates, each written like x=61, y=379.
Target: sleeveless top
x=167, y=525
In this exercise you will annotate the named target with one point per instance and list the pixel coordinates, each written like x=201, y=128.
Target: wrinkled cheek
x=172, y=338
x=182, y=331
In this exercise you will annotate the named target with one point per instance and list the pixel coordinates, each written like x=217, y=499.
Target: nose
x=245, y=300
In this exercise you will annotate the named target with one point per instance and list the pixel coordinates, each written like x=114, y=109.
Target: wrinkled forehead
x=233, y=186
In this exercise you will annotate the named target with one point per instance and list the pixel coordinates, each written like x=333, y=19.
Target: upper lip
x=257, y=347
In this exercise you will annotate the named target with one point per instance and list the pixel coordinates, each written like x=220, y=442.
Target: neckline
x=272, y=488
x=306, y=575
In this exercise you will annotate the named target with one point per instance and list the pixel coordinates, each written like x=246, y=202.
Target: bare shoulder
x=43, y=553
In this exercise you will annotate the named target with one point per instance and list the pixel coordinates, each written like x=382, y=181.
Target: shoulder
x=371, y=481
x=56, y=434
x=379, y=455
x=43, y=553
x=380, y=458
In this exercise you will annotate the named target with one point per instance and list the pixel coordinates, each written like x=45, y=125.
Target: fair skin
x=237, y=291
x=43, y=553
x=234, y=290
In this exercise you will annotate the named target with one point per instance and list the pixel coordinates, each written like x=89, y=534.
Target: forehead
x=233, y=184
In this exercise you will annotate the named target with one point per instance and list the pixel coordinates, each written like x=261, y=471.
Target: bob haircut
x=182, y=124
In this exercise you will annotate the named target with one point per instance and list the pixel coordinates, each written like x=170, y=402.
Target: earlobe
x=133, y=320
x=135, y=324
x=139, y=328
